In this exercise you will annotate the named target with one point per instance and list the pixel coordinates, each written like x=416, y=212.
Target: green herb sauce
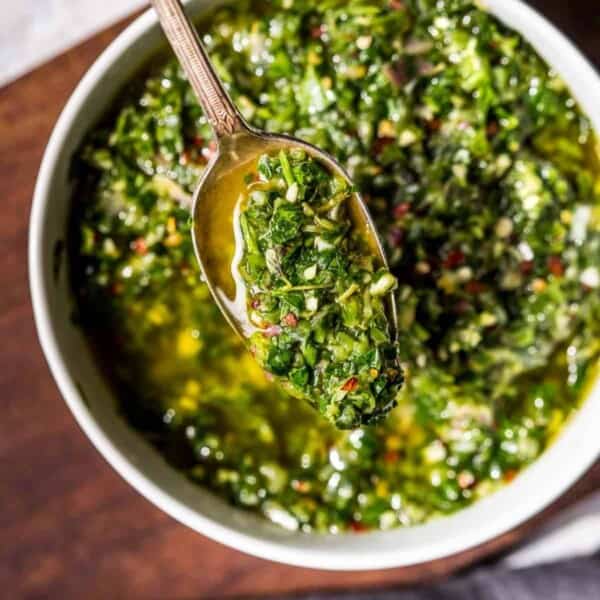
x=314, y=292
x=481, y=172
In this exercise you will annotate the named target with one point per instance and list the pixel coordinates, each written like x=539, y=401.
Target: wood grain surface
x=70, y=527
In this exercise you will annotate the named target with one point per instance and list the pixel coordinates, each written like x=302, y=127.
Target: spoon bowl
x=215, y=232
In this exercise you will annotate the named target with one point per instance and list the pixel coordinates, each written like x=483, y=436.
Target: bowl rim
x=299, y=554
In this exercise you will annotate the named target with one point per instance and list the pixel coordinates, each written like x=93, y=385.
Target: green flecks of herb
x=285, y=223
x=286, y=168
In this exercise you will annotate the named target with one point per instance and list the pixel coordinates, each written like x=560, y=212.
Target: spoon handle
x=220, y=111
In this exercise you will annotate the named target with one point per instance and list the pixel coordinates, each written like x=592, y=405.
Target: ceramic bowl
x=94, y=407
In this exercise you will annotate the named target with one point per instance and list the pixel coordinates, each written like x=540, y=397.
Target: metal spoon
x=238, y=146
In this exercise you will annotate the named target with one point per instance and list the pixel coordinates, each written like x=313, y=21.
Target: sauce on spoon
x=305, y=284
x=353, y=385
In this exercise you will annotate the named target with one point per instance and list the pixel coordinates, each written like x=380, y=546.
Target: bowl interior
x=91, y=401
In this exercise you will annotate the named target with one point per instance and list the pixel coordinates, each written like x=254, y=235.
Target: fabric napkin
x=577, y=579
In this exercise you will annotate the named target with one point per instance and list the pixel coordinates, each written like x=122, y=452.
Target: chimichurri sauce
x=480, y=170
x=314, y=294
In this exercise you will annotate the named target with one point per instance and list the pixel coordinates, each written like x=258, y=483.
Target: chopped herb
x=285, y=237
x=479, y=168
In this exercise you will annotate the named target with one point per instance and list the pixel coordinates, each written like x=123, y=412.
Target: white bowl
x=90, y=400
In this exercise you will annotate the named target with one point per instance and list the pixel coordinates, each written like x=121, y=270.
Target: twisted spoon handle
x=220, y=111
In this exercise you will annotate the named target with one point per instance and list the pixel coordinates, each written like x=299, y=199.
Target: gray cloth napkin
x=577, y=579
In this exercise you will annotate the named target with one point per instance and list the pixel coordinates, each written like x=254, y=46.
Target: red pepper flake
x=492, y=129
x=382, y=143
x=396, y=72
x=395, y=237
x=391, y=457
x=301, y=486
x=555, y=266
x=453, y=259
x=350, y=385
x=209, y=151
x=401, y=210
x=475, y=287
x=198, y=141
x=317, y=32
x=291, y=320
x=397, y=5
x=272, y=331
x=358, y=527
x=510, y=475
x=434, y=125
x=139, y=246
x=526, y=266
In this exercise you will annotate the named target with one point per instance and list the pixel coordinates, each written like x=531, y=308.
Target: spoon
x=238, y=147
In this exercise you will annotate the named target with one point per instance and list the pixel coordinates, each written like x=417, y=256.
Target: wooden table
x=70, y=526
